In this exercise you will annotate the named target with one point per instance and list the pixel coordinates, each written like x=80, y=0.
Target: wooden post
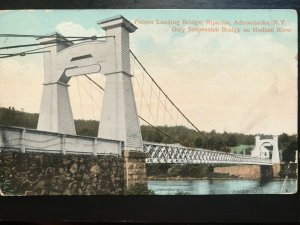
x=95, y=152
x=63, y=144
x=22, y=146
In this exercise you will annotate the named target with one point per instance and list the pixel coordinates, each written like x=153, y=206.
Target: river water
x=218, y=186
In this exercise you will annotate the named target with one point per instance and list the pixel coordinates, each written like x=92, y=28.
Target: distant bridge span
x=174, y=153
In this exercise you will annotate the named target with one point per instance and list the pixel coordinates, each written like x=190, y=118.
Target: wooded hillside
x=228, y=142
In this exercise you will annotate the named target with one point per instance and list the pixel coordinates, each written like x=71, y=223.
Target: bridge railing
x=30, y=140
x=172, y=153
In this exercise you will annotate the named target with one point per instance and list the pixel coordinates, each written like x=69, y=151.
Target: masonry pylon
x=55, y=109
x=119, y=118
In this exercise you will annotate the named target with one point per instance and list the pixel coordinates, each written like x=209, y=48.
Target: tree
x=157, y=136
x=230, y=140
x=199, y=142
x=288, y=144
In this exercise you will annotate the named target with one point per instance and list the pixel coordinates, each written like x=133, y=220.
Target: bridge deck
x=30, y=140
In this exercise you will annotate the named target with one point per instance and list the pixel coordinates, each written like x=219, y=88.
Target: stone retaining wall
x=57, y=174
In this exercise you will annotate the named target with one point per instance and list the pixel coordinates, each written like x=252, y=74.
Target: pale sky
x=234, y=82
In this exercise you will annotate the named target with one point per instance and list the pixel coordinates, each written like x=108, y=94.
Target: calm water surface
x=207, y=187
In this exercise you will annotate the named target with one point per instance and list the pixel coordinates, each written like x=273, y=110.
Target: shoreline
x=152, y=178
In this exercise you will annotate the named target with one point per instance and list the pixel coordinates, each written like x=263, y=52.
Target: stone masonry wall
x=58, y=174
x=243, y=171
x=276, y=168
x=249, y=171
x=134, y=168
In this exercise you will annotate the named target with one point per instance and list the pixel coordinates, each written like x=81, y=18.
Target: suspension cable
x=150, y=99
x=93, y=82
x=38, y=44
x=166, y=95
x=52, y=42
x=157, y=107
x=90, y=93
x=91, y=97
x=140, y=116
x=48, y=36
x=79, y=97
x=159, y=130
x=150, y=114
x=22, y=54
x=32, y=50
x=164, y=104
x=174, y=139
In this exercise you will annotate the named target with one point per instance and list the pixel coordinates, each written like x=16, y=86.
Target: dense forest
x=190, y=138
x=229, y=142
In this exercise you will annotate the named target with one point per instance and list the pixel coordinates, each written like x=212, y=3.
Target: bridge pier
x=276, y=169
x=134, y=168
x=250, y=171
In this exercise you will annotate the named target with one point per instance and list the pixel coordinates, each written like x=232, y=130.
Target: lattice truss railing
x=174, y=153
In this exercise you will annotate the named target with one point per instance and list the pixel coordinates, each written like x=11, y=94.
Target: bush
x=139, y=189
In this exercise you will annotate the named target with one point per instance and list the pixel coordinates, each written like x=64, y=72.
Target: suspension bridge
x=131, y=97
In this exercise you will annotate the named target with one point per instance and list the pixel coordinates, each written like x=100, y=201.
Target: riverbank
x=190, y=178
x=153, y=178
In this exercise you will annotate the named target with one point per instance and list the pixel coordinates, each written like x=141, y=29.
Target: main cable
x=45, y=36
x=53, y=42
x=23, y=54
x=45, y=43
x=31, y=50
x=94, y=82
x=159, y=129
x=166, y=95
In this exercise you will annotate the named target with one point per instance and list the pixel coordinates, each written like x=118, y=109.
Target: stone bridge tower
x=119, y=119
x=262, y=152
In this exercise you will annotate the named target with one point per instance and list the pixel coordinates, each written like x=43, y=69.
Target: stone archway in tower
x=119, y=119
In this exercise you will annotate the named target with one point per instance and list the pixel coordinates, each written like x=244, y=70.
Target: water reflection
x=212, y=187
